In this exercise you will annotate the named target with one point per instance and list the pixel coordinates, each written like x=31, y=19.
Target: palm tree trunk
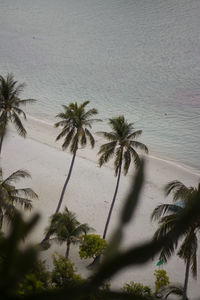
x=187, y=270
x=67, y=251
x=66, y=182
x=113, y=201
x=62, y=194
x=1, y=142
x=96, y=260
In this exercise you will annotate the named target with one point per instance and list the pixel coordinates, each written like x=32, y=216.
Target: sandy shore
x=89, y=194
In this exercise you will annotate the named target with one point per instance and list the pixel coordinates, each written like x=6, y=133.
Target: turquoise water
x=138, y=58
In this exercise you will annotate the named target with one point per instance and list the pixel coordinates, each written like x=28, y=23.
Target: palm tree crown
x=11, y=196
x=66, y=228
x=121, y=144
x=75, y=121
x=168, y=216
x=10, y=104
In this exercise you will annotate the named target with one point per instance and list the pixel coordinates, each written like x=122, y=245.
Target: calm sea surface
x=140, y=58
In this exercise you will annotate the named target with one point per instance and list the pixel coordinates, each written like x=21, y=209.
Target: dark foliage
x=17, y=263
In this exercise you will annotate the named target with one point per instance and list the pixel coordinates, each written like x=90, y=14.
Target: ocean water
x=139, y=58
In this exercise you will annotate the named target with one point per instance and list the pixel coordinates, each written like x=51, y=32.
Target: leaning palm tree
x=12, y=197
x=75, y=121
x=10, y=104
x=122, y=146
x=168, y=216
x=65, y=228
x=172, y=289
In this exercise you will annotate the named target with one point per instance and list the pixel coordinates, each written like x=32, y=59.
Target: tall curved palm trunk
x=67, y=250
x=187, y=271
x=1, y=142
x=66, y=182
x=113, y=200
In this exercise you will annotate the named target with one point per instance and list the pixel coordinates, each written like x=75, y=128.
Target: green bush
x=36, y=280
x=138, y=289
x=161, y=279
x=91, y=245
x=30, y=285
x=63, y=273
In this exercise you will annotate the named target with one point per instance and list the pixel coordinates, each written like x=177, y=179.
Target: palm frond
x=16, y=91
x=26, y=192
x=65, y=130
x=83, y=139
x=139, y=145
x=127, y=161
x=24, y=202
x=175, y=289
x=17, y=175
x=135, y=157
x=88, y=114
x=104, y=158
x=107, y=147
x=179, y=190
x=162, y=209
x=111, y=136
x=134, y=134
x=82, y=105
x=26, y=101
x=19, y=111
x=91, y=138
x=118, y=159
x=68, y=139
x=18, y=124
x=74, y=143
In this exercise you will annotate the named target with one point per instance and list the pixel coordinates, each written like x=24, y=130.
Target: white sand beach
x=89, y=195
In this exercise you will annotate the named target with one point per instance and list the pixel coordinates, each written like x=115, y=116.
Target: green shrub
x=161, y=279
x=91, y=245
x=36, y=280
x=63, y=273
x=138, y=289
x=30, y=285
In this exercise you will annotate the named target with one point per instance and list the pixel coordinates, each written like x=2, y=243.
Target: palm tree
x=167, y=216
x=66, y=229
x=121, y=145
x=10, y=104
x=168, y=290
x=11, y=197
x=75, y=121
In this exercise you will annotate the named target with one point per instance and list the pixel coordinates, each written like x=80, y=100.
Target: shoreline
x=33, y=126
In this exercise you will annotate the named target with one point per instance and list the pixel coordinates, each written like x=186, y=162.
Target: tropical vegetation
x=63, y=273
x=138, y=290
x=10, y=105
x=11, y=197
x=168, y=216
x=162, y=280
x=65, y=228
x=17, y=262
x=91, y=245
x=121, y=145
